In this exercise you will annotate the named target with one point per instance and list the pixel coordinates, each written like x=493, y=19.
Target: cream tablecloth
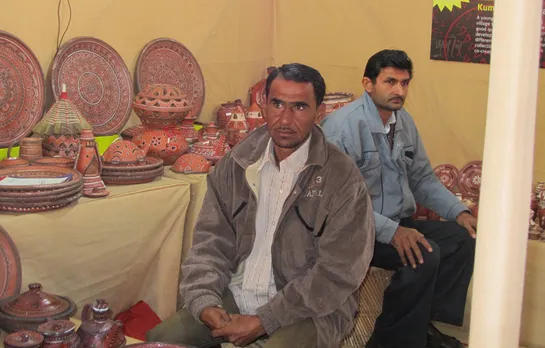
x=124, y=248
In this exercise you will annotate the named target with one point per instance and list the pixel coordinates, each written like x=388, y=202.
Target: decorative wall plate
x=447, y=174
x=97, y=81
x=469, y=179
x=167, y=61
x=10, y=266
x=21, y=90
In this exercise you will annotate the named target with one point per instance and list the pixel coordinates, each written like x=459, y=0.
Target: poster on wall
x=462, y=31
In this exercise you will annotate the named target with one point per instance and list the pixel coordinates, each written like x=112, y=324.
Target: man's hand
x=405, y=241
x=215, y=317
x=242, y=330
x=467, y=221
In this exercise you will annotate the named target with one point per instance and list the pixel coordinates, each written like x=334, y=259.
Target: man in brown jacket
x=285, y=234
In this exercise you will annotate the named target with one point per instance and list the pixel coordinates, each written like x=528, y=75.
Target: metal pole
x=507, y=175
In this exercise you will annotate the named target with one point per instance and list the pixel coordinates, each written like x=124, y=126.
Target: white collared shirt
x=390, y=122
x=255, y=286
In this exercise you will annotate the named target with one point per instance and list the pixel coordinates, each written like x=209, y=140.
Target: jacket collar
x=372, y=117
x=251, y=148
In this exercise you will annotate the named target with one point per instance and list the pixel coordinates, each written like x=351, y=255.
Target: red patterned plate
x=447, y=174
x=167, y=61
x=21, y=90
x=10, y=266
x=469, y=180
x=97, y=81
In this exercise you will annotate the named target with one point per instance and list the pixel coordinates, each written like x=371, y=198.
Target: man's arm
x=428, y=190
x=206, y=272
x=344, y=253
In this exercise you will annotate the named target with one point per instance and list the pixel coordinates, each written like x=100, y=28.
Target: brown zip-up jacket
x=321, y=249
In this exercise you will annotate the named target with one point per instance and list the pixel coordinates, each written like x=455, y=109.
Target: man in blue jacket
x=433, y=260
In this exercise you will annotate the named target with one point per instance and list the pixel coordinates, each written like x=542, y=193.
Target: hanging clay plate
x=10, y=266
x=21, y=90
x=447, y=174
x=167, y=61
x=97, y=81
x=469, y=179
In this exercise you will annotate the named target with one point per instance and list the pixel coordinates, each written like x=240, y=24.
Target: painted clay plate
x=10, y=266
x=156, y=345
x=37, y=207
x=149, y=163
x=469, y=179
x=21, y=90
x=447, y=174
x=97, y=81
x=167, y=61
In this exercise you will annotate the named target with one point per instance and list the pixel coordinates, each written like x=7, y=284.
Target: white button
x=281, y=191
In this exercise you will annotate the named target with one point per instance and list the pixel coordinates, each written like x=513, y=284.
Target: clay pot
x=59, y=334
x=188, y=131
x=212, y=150
x=30, y=149
x=123, y=152
x=238, y=127
x=63, y=162
x=161, y=105
x=167, y=145
x=540, y=187
x=61, y=145
x=89, y=163
x=13, y=162
x=97, y=329
x=211, y=131
x=191, y=163
x=224, y=113
x=254, y=117
x=421, y=213
x=23, y=339
x=32, y=308
x=257, y=91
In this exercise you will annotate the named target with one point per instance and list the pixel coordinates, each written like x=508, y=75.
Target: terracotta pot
x=61, y=145
x=63, y=162
x=161, y=106
x=212, y=150
x=167, y=145
x=59, y=334
x=334, y=101
x=123, y=152
x=224, y=113
x=97, y=329
x=89, y=163
x=254, y=117
x=191, y=163
x=188, y=131
x=23, y=339
x=238, y=127
x=32, y=308
x=31, y=148
x=257, y=91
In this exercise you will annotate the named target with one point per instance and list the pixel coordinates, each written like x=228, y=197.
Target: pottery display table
x=123, y=248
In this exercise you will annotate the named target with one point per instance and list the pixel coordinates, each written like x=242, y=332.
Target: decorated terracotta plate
x=97, y=81
x=10, y=266
x=469, y=179
x=21, y=90
x=167, y=61
x=74, y=178
x=447, y=174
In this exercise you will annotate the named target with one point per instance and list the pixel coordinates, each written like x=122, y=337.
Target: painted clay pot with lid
x=224, y=113
x=237, y=128
x=257, y=91
x=254, y=117
x=191, y=163
x=123, y=152
x=31, y=148
x=212, y=150
x=11, y=162
x=23, y=339
x=97, y=329
x=32, y=308
x=59, y=334
x=188, y=131
x=168, y=144
x=161, y=106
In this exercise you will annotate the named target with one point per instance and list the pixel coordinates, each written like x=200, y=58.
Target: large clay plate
x=469, y=179
x=21, y=90
x=10, y=266
x=167, y=61
x=447, y=174
x=97, y=81
x=149, y=163
x=156, y=345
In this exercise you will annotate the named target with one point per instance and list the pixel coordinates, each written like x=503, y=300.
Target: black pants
x=435, y=290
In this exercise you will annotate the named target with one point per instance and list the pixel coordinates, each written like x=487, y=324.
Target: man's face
x=290, y=112
x=390, y=89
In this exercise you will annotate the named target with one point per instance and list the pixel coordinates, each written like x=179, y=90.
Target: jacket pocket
x=317, y=226
x=239, y=209
x=371, y=170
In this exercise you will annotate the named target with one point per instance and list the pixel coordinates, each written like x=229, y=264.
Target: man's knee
x=431, y=258
x=301, y=335
x=174, y=329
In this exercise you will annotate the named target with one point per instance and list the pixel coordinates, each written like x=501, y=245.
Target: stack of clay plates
x=38, y=188
x=133, y=173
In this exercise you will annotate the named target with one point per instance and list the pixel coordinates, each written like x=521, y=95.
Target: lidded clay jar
x=59, y=334
x=23, y=339
x=32, y=308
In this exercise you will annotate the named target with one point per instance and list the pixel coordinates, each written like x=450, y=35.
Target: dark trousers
x=436, y=290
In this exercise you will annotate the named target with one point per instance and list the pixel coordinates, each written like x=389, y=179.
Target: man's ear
x=264, y=113
x=367, y=84
x=320, y=112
